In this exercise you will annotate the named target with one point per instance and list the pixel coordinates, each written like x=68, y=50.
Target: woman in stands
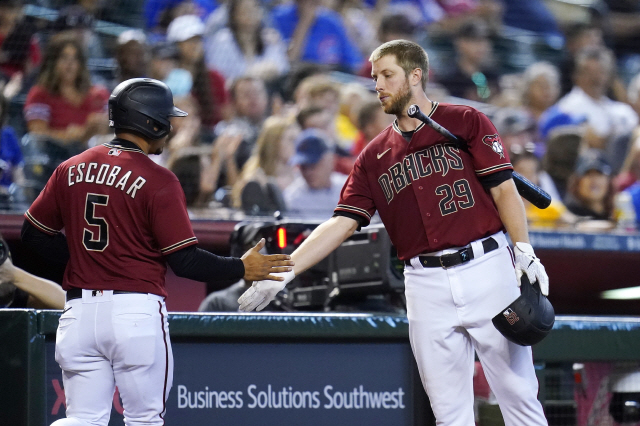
x=267, y=172
x=246, y=46
x=64, y=106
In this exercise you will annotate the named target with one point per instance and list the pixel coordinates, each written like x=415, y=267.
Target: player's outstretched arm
x=49, y=294
x=514, y=218
x=322, y=241
x=262, y=267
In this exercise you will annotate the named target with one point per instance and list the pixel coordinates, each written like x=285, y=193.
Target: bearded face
x=398, y=102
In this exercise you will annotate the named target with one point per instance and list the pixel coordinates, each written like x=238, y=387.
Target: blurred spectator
x=541, y=88
x=164, y=59
x=472, y=77
x=158, y=14
x=529, y=166
x=516, y=128
x=352, y=96
x=392, y=27
x=132, y=55
x=610, y=122
x=11, y=164
x=316, y=193
x=250, y=102
x=76, y=22
x=315, y=34
x=630, y=171
x=268, y=172
x=372, y=120
x=64, y=106
x=623, y=31
x=16, y=33
x=361, y=22
x=561, y=156
x=319, y=90
x=590, y=192
x=220, y=170
x=579, y=36
x=208, y=85
x=246, y=46
x=531, y=15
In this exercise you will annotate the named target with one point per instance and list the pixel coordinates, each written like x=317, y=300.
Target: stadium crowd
x=281, y=101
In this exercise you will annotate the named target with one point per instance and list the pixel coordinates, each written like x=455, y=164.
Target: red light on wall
x=282, y=238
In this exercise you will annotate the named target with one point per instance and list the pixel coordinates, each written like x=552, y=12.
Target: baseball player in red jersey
x=124, y=218
x=446, y=210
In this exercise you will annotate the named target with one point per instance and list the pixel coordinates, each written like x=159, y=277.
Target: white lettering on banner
x=209, y=399
x=358, y=398
x=288, y=398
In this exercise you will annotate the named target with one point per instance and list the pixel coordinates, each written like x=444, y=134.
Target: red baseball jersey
x=427, y=191
x=121, y=213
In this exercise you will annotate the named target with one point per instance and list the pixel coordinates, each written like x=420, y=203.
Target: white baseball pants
x=450, y=312
x=106, y=340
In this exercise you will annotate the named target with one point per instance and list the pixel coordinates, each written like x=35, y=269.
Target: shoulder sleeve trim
x=359, y=211
x=493, y=169
x=39, y=225
x=181, y=244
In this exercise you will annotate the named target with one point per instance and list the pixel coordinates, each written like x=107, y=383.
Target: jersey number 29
x=89, y=239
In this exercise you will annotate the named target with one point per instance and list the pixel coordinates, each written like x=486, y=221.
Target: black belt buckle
x=454, y=259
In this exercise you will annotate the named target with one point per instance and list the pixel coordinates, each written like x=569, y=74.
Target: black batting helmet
x=529, y=318
x=143, y=105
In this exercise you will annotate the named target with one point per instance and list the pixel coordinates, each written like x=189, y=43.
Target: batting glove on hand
x=261, y=293
x=528, y=263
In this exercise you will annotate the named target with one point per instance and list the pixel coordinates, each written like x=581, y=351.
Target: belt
x=453, y=259
x=76, y=293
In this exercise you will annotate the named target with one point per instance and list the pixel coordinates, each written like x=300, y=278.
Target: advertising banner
x=309, y=384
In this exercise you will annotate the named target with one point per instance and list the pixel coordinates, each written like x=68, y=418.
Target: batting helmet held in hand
x=143, y=105
x=529, y=318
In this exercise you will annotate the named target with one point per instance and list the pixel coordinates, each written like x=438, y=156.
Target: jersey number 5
x=461, y=190
x=88, y=238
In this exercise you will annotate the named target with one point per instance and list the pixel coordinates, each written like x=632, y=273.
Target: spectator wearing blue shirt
x=315, y=34
x=11, y=163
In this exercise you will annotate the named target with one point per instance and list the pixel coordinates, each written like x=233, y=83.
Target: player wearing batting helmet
x=446, y=210
x=124, y=218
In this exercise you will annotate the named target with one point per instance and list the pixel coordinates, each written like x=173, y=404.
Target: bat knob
x=413, y=111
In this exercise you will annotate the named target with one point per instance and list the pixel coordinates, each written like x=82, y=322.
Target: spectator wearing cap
x=208, y=85
x=132, y=55
x=315, y=34
x=316, y=192
x=246, y=46
x=590, y=191
x=64, y=106
x=472, y=76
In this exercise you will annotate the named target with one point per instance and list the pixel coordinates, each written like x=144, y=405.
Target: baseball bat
x=527, y=189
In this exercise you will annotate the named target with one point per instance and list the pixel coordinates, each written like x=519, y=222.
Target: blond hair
x=266, y=154
x=409, y=56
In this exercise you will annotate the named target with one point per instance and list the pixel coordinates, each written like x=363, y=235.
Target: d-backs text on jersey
x=105, y=174
x=435, y=159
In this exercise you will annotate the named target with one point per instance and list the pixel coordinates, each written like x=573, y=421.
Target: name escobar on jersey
x=105, y=174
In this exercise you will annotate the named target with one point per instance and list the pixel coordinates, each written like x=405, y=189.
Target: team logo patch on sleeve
x=494, y=142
